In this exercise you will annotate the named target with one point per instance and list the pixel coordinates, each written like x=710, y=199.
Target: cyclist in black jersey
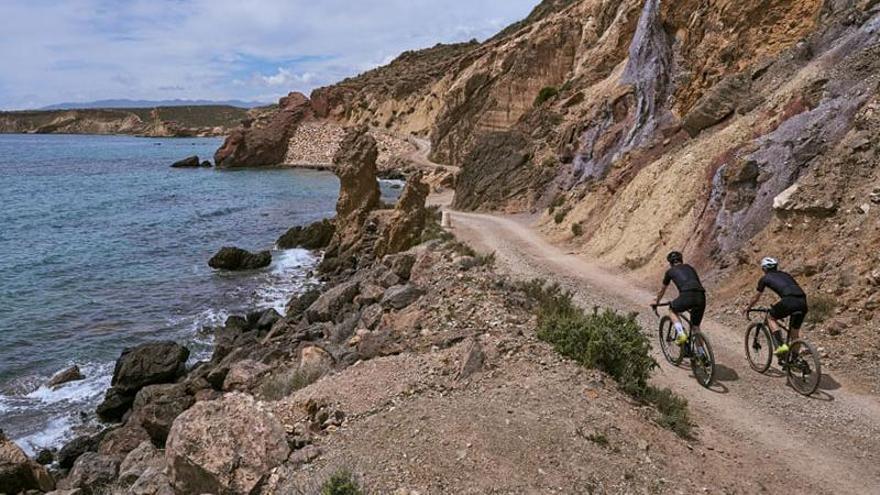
x=691, y=295
x=792, y=301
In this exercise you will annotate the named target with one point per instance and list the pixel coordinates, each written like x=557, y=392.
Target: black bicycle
x=801, y=363
x=697, y=348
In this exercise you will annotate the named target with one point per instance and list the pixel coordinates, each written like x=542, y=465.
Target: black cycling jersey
x=781, y=283
x=685, y=278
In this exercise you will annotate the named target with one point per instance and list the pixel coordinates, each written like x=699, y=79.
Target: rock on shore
x=18, y=473
x=234, y=259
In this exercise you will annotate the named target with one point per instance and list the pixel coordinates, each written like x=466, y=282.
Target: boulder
x=120, y=441
x=370, y=294
x=92, y=473
x=71, y=451
x=718, y=103
x=153, y=481
x=188, y=162
x=243, y=375
x=265, y=143
x=115, y=404
x=371, y=316
x=315, y=358
x=18, y=473
x=235, y=259
x=224, y=446
x=313, y=236
x=45, y=457
x=70, y=374
x=405, y=227
x=268, y=318
x=156, y=407
x=473, y=362
x=137, y=461
x=149, y=364
x=401, y=264
x=401, y=296
x=206, y=164
x=330, y=303
x=299, y=303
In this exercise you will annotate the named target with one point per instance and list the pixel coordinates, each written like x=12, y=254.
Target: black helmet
x=674, y=257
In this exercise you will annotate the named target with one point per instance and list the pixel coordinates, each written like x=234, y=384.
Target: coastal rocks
x=137, y=367
x=75, y=448
x=156, y=407
x=405, y=227
x=235, y=259
x=314, y=236
x=316, y=359
x=224, y=446
x=401, y=296
x=243, y=375
x=142, y=458
x=331, y=303
x=120, y=441
x=190, y=162
x=70, y=374
x=92, y=473
x=18, y=473
x=260, y=144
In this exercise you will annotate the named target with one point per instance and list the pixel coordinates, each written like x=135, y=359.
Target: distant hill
x=124, y=103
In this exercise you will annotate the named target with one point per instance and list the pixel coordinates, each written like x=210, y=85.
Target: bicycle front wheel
x=702, y=359
x=671, y=351
x=759, y=347
x=804, y=368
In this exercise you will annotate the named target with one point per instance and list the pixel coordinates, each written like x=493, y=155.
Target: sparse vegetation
x=560, y=216
x=608, y=341
x=558, y=201
x=342, y=482
x=577, y=229
x=545, y=94
x=282, y=385
x=598, y=438
x=487, y=260
x=432, y=229
x=821, y=308
x=462, y=249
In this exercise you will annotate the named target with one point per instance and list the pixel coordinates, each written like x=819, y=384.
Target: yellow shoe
x=681, y=339
x=781, y=350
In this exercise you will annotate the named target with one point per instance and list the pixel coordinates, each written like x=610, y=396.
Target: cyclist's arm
x=755, y=300
x=661, y=293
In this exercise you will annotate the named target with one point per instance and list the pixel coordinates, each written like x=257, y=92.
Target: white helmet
x=769, y=263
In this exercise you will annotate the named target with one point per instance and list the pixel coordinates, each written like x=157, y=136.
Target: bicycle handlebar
x=662, y=305
x=756, y=310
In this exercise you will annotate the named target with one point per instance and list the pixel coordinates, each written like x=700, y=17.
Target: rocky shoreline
x=156, y=403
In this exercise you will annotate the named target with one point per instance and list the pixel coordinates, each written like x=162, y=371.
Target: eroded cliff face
x=654, y=125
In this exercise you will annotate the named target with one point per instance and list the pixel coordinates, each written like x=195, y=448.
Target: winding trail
x=830, y=442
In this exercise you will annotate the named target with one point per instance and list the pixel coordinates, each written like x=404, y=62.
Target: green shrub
x=280, y=386
x=487, y=260
x=608, y=341
x=545, y=94
x=821, y=308
x=598, y=438
x=432, y=229
x=560, y=216
x=558, y=201
x=577, y=229
x=342, y=482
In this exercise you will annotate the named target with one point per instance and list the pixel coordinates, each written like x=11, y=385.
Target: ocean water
x=103, y=246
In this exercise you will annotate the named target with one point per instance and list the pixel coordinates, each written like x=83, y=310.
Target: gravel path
x=831, y=441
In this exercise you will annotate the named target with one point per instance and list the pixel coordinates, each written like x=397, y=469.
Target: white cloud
x=95, y=49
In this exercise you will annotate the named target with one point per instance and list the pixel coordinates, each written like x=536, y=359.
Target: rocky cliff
x=727, y=129
x=210, y=120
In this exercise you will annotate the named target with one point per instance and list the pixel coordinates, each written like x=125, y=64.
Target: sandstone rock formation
x=264, y=143
x=233, y=258
x=404, y=229
x=224, y=446
x=18, y=473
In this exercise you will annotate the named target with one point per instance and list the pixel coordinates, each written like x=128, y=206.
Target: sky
x=254, y=50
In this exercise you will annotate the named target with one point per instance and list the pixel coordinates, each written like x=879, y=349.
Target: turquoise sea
x=103, y=246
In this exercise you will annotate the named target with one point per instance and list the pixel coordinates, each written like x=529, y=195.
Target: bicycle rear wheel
x=702, y=359
x=804, y=368
x=673, y=352
x=759, y=347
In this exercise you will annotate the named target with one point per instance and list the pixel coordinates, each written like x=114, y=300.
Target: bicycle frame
x=680, y=315
x=783, y=327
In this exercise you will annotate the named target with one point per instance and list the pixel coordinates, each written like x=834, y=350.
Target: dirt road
x=830, y=442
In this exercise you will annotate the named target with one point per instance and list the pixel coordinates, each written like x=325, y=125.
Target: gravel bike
x=801, y=363
x=697, y=348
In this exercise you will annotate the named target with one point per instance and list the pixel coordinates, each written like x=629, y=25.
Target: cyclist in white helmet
x=792, y=301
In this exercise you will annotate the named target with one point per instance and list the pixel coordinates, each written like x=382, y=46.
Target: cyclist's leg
x=777, y=312
x=676, y=307
x=698, y=310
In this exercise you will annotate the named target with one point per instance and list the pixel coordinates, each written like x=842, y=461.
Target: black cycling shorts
x=787, y=306
x=693, y=301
